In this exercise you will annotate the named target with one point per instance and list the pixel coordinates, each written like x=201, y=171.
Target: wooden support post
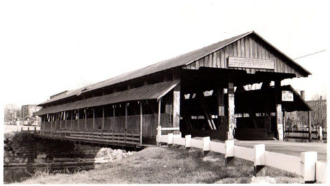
x=86, y=119
x=206, y=145
x=308, y=166
x=159, y=110
x=188, y=141
x=279, y=120
x=64, y=115
x=60, y=120
x=206, y=113
x=279, y=114
x=176, y=106
x=283, y=125
x=125, y=120
x=71, y=127
x=159, y=134
x=229, y=154
x=114, y=115
x=51, y=124
x=259, y=160
x=309, y=126
x=231, y=111
x=93, y=119
x=141, y=122
x=221, y=109
x=102, y=119
x=78, y=120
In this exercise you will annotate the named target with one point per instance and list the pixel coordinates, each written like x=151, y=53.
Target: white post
x=206, y=145
x=170, y=139
x=320, y=133
x=229, y=154
x=188, y=141
x=308, y=166
x=259, y=160
x=159, y=133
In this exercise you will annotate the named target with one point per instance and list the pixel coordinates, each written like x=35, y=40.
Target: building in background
x=28, y=110
x=28, y=115
x=12, y=113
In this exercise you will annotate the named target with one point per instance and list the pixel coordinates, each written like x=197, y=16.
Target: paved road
x=289, y=148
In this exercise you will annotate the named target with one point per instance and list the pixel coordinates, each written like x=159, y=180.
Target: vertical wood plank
x=72, y=119
x=103, y=118
x=141, y=122
x=85, y=119
x=251, y=47
x=238, y=48
x=176, y=106
x=242, y=47
x=222, y=59
x=214, y=59
x=226, y=56
x=218, y=59
x=159, y=111
x=78, y=127
x=126, y=112
x=93, y=119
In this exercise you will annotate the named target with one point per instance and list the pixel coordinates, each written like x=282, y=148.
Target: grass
x=168, y=165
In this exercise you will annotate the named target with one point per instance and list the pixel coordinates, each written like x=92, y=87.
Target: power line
x=309, y=54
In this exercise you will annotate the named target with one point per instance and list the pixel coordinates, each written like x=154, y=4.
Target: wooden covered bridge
x=206, y=92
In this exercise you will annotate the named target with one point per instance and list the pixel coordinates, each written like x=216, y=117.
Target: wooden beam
x=207, y=115
x=283, y=125
x=279, y=120
x=176, y=106
x=78, y=120
x=51, y=123
x=141, y=121
x=102, y=117
x=126, y=112
x=93, y=119
x=159, y=110
x=86, y=119
x=64, y=115
x=60, y=119
x=222, y=125
x=309, y=126
x=71, y=119
x=231, y=111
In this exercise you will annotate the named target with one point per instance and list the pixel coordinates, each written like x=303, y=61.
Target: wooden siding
x=247, y=47
x=115, y=125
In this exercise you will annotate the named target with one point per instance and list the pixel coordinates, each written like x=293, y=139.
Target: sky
x=47, y=47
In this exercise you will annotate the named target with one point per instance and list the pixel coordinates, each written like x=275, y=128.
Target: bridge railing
x=95, y=137
x=30, y=129
x=306, y=165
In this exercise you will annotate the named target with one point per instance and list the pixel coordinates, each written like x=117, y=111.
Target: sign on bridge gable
x=287, y=95
x=251, y=63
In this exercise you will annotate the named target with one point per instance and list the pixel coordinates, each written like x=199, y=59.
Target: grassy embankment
x=169, y=165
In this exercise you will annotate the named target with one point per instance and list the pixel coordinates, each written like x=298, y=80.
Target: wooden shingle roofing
x=178, y=61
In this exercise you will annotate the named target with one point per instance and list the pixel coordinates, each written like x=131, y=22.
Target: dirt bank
x=169, y=165
x=27, y=149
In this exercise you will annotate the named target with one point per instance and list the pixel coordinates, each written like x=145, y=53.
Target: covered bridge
x=206, y=92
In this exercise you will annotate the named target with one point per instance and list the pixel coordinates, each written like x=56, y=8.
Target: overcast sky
x=50, y=46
